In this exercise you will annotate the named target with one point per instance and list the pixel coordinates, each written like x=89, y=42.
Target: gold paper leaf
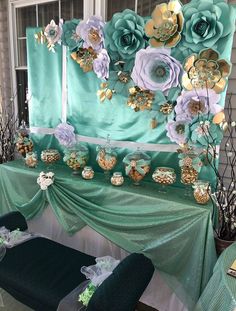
x=109, y=94
x=219, y=117
x=153, y=123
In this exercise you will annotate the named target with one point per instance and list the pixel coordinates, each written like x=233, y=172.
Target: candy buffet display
x=76, y=158
x=137, y=165
x=201, y=191
x=31, y=159
x=117, y=179
x=164, y=175
x=50, y=156
x=88, y=172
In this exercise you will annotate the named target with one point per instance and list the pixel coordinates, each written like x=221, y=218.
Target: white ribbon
x=114, y=143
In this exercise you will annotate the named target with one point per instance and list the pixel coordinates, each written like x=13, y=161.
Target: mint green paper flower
x=69, y=36
x=203, y=132
x=208, y=23
x=124, y=34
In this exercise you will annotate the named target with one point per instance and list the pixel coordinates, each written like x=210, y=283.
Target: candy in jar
x=88, y=172
x=117, y=179
x=201, y=191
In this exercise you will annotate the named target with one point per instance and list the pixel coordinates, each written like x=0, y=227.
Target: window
x=33, y=13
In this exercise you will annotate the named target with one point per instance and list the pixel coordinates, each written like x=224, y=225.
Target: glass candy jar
x=76, y=158
x=117, y=179
x=50, y=156
x=31, y=159
x=88, y=172
x=164, y=176
x=201, y=191
x=23, y=143
x=137, y=165
x=190, y=165
x=106, y=158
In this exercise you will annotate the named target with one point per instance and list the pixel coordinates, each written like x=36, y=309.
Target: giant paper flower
x=155, y=69
x=206, y=71
x=69, y=36
x=92, y=33
x=53, y=33
x=101, y=65
x=124, y=34
x=166, y=25
x=203, y=132
x=64, y=133
x=192, y=103
x=208, y=23
x=176, y=131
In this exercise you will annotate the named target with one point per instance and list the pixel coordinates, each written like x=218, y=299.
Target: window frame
x=88, y=10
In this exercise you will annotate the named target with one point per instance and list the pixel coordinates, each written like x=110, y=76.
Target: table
x=220, y=292
x=174, y=232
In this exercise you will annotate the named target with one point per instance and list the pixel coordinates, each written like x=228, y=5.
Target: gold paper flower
x=140, y=99
x=166, y=108
x=206, y=71
x=85, y=57
x=166, y=25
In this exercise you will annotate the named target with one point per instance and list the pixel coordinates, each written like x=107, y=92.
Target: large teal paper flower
x=124, y=34
x=202, y=132
x=208, y=23
x=69, y=36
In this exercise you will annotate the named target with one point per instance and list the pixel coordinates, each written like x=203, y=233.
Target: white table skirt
x=158, y=294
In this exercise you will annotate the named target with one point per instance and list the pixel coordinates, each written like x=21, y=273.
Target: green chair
x=41, y=272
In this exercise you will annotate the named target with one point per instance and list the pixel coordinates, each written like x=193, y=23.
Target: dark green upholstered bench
x=40, y=273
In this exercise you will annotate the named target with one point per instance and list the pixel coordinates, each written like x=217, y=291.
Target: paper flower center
x=52, y=32
x=94, y=36
x=201, y=27
x=160, y=71
x=196, y=106
x=126, y=39
x=180, y=128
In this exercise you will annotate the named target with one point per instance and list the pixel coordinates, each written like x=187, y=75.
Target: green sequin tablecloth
x=171, y=229
x=220, y=292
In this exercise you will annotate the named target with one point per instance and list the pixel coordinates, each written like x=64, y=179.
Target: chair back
x=123, y=288
x=13, y=220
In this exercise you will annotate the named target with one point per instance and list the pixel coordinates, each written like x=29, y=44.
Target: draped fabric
x=174, y=232
x=220, y=293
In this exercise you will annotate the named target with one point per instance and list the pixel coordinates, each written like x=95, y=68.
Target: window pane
x=71, y=9
x=47, y=12
x=145, y=7
x=25, y=17
x=22, y=53
x=21, y=76
x=118, y=6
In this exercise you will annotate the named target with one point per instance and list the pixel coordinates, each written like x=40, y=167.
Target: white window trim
x=89, y=9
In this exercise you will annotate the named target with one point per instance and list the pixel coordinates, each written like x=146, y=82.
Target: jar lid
x=117, y=174
x=88, y=168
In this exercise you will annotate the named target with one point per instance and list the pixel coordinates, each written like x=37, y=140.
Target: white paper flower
x=45, y=180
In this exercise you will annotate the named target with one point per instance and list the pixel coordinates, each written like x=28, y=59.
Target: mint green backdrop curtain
x=171, y=230
x=86, y=113
x=45, y=83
